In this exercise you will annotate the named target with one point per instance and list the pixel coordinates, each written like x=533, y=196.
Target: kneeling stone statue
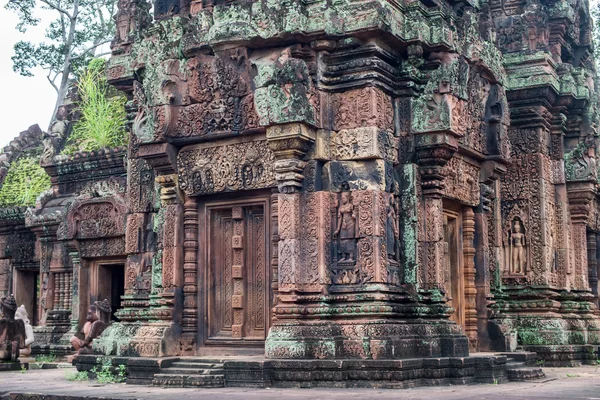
x=12, y=331
x=98, y=319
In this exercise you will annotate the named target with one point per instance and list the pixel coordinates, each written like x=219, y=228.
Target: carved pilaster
x=580, y=195
x=431, y=161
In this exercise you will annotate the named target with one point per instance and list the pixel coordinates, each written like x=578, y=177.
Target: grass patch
x=45, y=358
x=78, y=376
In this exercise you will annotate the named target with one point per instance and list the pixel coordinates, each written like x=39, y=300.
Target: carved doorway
x=453, y=264
x=236, y=288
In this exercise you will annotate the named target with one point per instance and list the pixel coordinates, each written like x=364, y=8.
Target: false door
x=237, y=285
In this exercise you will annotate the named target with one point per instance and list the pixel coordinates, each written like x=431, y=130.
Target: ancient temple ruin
x=329, y=179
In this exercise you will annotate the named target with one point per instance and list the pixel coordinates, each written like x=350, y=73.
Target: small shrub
x=77, y=376
x=105, y=374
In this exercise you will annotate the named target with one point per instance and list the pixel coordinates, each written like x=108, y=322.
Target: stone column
x=468, y=220
x=190, y=277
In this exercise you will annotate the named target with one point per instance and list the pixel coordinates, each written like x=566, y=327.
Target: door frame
x=456, y=271
x=205, y=345
x=91, y=280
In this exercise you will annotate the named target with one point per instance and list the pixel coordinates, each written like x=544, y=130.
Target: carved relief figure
x=392, y=231
x=346, y=230
x=23, y=316
x=517, y=243
x=12, y=331
x=97, y=320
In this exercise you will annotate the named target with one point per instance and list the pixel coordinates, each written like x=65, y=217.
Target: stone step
x=201, y=360
x=524, y=373
x=526, y=357
x=183, y=381
x=192, y=371
x=186, y=364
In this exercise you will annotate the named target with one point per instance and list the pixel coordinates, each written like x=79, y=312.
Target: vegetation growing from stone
x=25, y=181
x=79, y=30
x=78, y=376
x=45, y=358
x=103, y=117
x=106, y=373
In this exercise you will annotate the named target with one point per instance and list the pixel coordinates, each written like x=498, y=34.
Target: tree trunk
x=63, y=88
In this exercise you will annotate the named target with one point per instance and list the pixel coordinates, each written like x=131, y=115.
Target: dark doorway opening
x=111, y=286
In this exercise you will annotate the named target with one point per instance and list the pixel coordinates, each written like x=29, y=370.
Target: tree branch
x=57, y=8
x=52, y=82
x=96, y=45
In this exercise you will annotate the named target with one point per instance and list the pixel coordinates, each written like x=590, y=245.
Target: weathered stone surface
x=329, y=180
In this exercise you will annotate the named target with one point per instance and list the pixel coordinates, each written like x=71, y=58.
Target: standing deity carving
x=346, y=230
x=517, y=255
x=392, y=231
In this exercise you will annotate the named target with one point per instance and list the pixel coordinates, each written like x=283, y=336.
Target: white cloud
x=26, y=101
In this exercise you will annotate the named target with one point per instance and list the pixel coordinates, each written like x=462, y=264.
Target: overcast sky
x=26, y=101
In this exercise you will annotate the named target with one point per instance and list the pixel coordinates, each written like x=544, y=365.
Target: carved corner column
x=468, y=221
x=580, y=195
x=77, y=304
x=290, y=142
x=592, y=238
x=190, y=277
x=431, y=161
x=170, y=216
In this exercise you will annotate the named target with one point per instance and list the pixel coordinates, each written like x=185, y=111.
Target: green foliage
x=77, y=376
x=595, y=11
x=48, y=358
x=102, y=122
x=23, y=368
x=79, y=29
x=105, y=373
x=24, y=182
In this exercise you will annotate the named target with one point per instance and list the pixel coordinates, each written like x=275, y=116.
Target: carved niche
x=225, y=167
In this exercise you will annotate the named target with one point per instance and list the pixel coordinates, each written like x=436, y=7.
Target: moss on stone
x=24, y=182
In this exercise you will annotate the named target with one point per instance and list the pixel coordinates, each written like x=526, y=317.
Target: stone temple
x=362, y=181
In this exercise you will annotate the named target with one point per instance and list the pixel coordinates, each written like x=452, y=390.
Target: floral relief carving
x=224, y=168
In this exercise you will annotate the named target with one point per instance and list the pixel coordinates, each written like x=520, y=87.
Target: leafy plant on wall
x=24, y=182
x=103, y=116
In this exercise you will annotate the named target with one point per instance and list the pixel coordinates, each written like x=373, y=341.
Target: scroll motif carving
x=95, y=218
x=462, y=181
x=363, y=107
x=230, y=167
